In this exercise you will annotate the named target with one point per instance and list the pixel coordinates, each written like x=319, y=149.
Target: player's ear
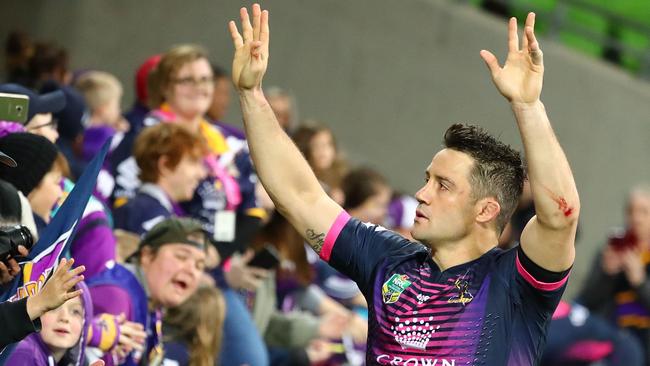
x=487, y=209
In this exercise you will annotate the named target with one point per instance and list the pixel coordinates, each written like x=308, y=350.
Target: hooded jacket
x=33, y=351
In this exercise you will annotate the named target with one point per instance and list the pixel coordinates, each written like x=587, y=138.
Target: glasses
x=190, y=81
x=54, y=123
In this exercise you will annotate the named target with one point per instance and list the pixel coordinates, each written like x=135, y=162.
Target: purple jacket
x=33, y=351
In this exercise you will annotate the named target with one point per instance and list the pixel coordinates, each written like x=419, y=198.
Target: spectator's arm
x=16, y=322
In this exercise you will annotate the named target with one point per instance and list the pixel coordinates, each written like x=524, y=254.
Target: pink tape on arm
x=333, y=234
x=544, y=286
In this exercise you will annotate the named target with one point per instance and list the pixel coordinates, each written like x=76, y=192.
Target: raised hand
x=521, y=77
x=57, y=290
x=251, y=49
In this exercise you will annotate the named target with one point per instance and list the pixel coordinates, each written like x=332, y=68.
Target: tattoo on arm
x=315, y=239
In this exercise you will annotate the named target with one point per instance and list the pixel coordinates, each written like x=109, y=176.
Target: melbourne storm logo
x=463, y=296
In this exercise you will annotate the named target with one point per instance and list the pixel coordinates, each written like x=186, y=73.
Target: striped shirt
x=489, y=311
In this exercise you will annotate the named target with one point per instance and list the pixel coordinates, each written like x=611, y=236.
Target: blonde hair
x=99, y=88
x=171, y=61
x=198, y=323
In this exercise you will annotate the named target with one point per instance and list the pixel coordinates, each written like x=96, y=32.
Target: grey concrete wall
x=388, y=76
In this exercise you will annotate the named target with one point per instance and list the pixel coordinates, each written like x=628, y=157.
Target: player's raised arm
x=285, y=174
x=549, y=237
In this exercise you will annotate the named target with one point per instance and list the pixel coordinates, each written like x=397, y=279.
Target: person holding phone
x=39, y=110
x=618, y=286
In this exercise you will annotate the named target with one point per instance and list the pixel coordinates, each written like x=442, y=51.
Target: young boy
x=61, y=340
x=170, y=158
x=102, y=93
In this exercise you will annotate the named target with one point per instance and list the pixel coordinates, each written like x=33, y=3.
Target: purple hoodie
x=33, y=351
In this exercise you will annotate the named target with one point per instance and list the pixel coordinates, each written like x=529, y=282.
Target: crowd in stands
x=184, y=257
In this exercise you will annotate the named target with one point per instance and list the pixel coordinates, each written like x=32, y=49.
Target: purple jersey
x=489, y=311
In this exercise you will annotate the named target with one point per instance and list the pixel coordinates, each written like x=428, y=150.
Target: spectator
x=284, y=107
x=140, y=108
x=69, y=126
x=193, y=330
x=41, y=107
x=170, y=158
x=19, y=48
x=22, y=317
x=103, y=94
x=62, y=337
x=168, y=264
x=618, y=286
x=221, y=102
x=49, y=62
x=318, y=145
x=367, y=195
x=38, y=174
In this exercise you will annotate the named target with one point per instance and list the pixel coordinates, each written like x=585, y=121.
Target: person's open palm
x=521, y=77
x=251, y=48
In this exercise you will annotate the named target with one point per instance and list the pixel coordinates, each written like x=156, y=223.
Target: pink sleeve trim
x=544, y=286
x=589, y=351
x=333, y=234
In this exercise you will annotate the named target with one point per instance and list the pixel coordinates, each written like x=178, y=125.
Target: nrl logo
x=463, y=296
x=393, y=288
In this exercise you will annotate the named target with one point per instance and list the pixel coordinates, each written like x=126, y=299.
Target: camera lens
x=18, y=235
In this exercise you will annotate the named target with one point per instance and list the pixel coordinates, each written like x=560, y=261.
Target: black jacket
x=15, y=322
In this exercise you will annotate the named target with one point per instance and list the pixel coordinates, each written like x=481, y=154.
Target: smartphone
x=623, y=241
x=267, y=258
x=14, y=107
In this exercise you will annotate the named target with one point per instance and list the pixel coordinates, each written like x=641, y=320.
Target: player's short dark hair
x=498, y=168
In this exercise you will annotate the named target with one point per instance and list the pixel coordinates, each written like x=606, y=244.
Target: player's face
x=445, y=211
